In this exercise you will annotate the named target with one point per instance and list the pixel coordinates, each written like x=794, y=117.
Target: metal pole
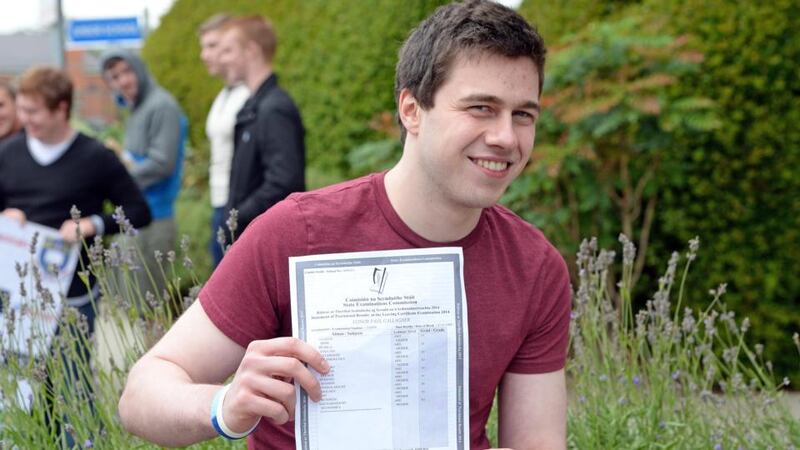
x=60, y=30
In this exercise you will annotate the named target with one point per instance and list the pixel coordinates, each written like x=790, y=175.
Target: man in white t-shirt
x=220, y=124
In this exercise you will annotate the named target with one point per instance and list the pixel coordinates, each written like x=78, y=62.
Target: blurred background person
x=155, y=135
x=220, y=124
x=269, y=138
x=50, y=168
x=9, y=123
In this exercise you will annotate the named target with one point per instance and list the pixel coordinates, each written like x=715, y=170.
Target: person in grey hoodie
x=153, y=150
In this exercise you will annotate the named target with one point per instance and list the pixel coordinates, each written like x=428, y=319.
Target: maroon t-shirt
x=517, y=285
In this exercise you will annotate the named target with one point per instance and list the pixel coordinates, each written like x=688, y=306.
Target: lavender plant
x=73, y=395
x=666, y=376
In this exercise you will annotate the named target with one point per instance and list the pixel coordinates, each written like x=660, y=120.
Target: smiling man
x=51, y=168
x=155, y=133
x=220, y=125
x=468, y=87
x=269, y=138
x=9, y=123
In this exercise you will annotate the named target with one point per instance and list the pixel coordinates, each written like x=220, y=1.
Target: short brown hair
x=214, y=22
x=258, y=30
x=51, y=84
x=473, y=26
x=9, y=88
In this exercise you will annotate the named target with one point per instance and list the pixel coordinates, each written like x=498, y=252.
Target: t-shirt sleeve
x=544, y=348
x=247, y=295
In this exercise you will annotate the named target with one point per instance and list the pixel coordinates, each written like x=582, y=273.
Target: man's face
x=232, y=57
x=209, y=51
x=479, y=134
x=8, y=113
x=40, y=122
x=122, y=79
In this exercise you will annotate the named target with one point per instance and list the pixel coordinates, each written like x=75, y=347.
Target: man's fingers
x=266, y=407
x=284, y=366
x=274, y=389
x=16, y=214
x=68, y=231
x=293, y=347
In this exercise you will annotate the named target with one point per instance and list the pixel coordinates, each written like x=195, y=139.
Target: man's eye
x=524, y=117
x=480, y=109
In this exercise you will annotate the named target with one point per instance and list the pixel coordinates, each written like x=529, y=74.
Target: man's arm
x=282, y=154
x=167, y=398
x=161, y=153
x=533, y=411
x=120, y=188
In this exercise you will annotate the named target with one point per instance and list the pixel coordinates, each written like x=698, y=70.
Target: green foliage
x=608, y=120
x=740, y=186
x=737, y=186
x=557, y=19
x=662, y=379
x=336, y=59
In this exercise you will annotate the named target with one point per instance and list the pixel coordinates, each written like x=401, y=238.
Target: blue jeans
x=217, y=222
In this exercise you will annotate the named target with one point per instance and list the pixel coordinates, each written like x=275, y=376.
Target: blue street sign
x=96, y=31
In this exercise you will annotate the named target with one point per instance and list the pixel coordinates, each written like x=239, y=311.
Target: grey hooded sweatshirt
x=153, y=129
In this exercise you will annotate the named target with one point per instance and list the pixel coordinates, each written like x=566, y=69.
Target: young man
x=51, y=167
x=468, y=87
x=219, y=127
x=155, y=134
x=9, y=123
x=269, y=139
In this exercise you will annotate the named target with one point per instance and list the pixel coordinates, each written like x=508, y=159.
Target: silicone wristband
x=219, y=423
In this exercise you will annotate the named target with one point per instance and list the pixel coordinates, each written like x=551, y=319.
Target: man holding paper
x=468, y=87
x=51, y=167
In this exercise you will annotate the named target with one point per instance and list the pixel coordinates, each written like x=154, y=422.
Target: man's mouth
x=494, y=166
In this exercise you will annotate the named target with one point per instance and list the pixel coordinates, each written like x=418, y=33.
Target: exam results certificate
x=393, y=326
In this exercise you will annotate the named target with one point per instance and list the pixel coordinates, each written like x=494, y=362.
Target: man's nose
x=501, y=132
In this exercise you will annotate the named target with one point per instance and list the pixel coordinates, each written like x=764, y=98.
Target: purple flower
x=636, y=380
x=718, y=447
x=88, y=444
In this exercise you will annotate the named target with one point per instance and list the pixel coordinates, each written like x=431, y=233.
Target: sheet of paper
x=34, y=319
x=393, y=326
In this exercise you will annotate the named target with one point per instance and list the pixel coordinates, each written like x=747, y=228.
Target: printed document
x=393, y=326
x=29, y=314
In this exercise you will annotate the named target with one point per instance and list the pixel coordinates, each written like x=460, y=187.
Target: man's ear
x=409, y=110
x=63, y=108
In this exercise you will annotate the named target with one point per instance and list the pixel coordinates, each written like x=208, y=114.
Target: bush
x=737, y=186
x=336, y=59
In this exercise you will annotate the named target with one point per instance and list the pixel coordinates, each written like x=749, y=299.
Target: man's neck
x=59, y=136
x=425, y=212
x=256, y=76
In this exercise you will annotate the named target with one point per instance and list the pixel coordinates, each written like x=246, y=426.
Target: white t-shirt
x=46, y=154
x=220, y=125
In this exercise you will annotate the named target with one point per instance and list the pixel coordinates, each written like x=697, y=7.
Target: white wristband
x=219, y=423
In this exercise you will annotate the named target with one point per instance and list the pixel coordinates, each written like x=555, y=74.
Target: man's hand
x=16, y=214
x=69, y=229
x=263, y=384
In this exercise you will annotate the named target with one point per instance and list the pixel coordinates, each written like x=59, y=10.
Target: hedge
x=336, y=59
x=737, y=187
